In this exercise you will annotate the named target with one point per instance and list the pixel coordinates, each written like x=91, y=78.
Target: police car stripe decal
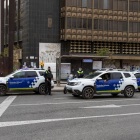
x=20, y=88
x=109, y=91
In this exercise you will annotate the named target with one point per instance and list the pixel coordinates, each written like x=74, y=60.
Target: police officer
x=48, y=77
x=80, y=73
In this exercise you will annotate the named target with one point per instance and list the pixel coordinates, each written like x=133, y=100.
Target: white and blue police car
x=29, y=79
x=117, y=82
x=137, y=75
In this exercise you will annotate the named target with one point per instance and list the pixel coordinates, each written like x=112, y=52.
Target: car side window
x=31, y=74
x=127, y=75
x=137, y=75
x=106, y=76
x=117, y=75
x=19, y=75
x=41, y=73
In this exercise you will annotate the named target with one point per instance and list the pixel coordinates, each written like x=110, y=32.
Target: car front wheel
x=88, y=93
x=42, y=89
x=129, y=92
x=2, y=90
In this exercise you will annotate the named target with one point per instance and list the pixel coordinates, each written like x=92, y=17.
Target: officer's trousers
x=47, y=87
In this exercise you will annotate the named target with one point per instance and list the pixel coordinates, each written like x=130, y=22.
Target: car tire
x=129, y=92
x=65, y=90
x=88, y=93
x=42, y=89
x=76, y=95
x=3, y=90
x=114, y=94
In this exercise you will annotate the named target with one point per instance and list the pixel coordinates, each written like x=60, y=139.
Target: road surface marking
x=75, y=102
x=6, y=103
x=102, y=106
x=18, y=123
x=110, y=106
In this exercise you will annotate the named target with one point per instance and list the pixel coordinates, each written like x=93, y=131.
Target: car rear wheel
x=42, y=89
x=2, y=90
x=129, y=92
x=114, y=94
x=88, y=93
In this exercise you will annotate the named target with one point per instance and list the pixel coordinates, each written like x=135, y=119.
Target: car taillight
x=136, y=80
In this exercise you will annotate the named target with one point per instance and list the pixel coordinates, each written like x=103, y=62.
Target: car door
x=17, y=82
x=116, y=82
x=137, y=75
x=103, y=86
x=31, y=79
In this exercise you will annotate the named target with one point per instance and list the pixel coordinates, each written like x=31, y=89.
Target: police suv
x=30, y=79
x=137, y=75
x=117, y=82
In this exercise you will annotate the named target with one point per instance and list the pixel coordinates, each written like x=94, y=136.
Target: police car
x=137, y=75
x=118, y=82
x=30, y=79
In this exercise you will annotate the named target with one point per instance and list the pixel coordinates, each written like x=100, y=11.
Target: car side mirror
x=99, y=78
x=11, y=77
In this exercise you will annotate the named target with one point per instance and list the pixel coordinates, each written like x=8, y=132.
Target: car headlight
x=77, y=83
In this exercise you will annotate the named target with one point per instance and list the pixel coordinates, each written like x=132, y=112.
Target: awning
x=126, y=57
x=85, y=57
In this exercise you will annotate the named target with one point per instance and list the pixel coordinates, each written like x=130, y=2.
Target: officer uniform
x=48, y=76
x=80, y=74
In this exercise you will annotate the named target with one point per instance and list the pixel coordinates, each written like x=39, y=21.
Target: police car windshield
x=93, y=75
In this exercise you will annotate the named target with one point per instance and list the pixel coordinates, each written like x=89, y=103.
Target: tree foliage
x=105, y=52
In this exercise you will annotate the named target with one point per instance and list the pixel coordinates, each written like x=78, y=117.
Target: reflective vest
x=80, y=72
x=47, y=72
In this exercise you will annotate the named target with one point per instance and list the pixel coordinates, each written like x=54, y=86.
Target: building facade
x=88, y=25
x=81, y=26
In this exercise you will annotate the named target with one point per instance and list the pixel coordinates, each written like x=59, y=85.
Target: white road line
x=40, y=104
x=5, y=104
x=102, y=106
x=17, y=123
x=110, y=106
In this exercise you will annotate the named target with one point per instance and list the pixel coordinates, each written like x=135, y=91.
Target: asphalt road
x=64, y=117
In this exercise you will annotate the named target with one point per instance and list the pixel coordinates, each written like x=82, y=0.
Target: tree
x=106, y=62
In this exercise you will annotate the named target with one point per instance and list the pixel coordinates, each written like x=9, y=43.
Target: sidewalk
x=58, y=89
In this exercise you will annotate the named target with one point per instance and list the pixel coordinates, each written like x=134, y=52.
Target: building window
x=110, y=25
x=73, y=22
x=135, y=27
x=115, y=25
x=84, y=3
x=79, y=23
x=139, y=27
x=105, y=4
x=96, y=24
x=130, y=27
x=89, y=3
x=135, y=6
x=124, y=26
x=120, y=26
x=50, y=21
x=89, y=23
x=79, y=3
x=69, y=22
x=84, y=23
x=68, y=2
x=115, y=5
x=105, y=25
x=100, y=24
x=130, y=6
x=110, y=6
x=96, y=4
x=74, y=3
x=123, y=5
x=100, y=4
